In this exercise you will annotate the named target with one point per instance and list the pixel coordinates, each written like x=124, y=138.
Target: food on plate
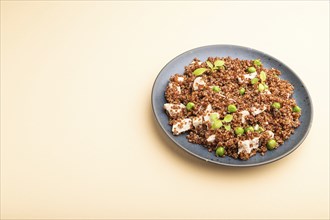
x=232, y=107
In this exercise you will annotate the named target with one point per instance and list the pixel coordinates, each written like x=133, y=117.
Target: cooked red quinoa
x=210, y=104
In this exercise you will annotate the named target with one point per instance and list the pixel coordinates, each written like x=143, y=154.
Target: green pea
x=251, y=69
x=241, y=91
x=254, y=81
x=220, y=151
x=276, y=105
x=228, y=118
x=261, y=87
x=248, y=129
x=216, y=124
x=266, y=87
x=190, y=106
x=216, y=88
x=296, y=109
x=271, y=144
x=239, y=131
x=232, y=108
x=257, y=62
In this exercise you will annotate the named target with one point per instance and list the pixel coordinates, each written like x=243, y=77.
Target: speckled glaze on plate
x=177, y=66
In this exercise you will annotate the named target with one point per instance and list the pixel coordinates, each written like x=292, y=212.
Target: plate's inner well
x=232, y=107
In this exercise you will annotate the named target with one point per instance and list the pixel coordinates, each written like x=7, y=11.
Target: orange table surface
x=78, y=137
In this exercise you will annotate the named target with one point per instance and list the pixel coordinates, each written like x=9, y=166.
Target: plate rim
x=218, y=162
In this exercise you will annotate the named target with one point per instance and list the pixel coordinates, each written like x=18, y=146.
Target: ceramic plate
x=177, y=66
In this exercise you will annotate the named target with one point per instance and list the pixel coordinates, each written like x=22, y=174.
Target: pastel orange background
x=78, y=137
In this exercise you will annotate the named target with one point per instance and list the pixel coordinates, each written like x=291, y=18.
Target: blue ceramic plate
x=177, y=66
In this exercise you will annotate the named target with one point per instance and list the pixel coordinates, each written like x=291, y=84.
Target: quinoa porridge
x=232, y=107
